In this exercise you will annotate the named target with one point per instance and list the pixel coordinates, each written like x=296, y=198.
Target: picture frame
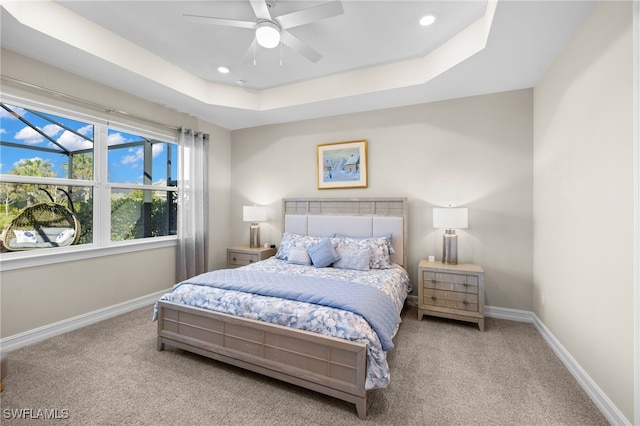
x=342, y=165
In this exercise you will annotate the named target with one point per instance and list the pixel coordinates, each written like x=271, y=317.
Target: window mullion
x=102, y=195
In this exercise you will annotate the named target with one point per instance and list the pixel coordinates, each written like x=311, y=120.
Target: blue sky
x=125, y=164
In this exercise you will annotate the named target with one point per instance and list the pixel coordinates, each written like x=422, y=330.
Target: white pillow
x=299, y=256
x=291, y=240
x=23, y=237
x=377, y=247
x=357, y=260
x=65, y=236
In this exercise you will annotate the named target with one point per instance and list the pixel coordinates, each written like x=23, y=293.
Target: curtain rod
x=108, y=110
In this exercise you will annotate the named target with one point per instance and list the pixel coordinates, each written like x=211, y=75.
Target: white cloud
x=137, y=154
x=29, y=136
x=158, y=148
x=51, y=130
x=116, y=139
x=73, y=142
x=86, y=130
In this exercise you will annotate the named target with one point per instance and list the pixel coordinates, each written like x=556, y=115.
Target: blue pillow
x=353, y=259
x=323, y=254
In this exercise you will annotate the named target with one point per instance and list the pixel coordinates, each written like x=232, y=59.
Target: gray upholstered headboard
x=357, y=217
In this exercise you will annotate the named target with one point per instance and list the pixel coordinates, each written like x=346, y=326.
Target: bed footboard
x=328, y=365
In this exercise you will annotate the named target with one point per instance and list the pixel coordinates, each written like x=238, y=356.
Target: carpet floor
x=443, y=372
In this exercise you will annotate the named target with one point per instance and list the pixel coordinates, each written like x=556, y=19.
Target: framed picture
x=342, y=165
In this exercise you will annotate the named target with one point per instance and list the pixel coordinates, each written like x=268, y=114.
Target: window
x=142, y=177
x=120, y=182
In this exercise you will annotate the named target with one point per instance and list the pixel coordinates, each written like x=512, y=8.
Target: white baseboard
x=604, y=404
x=602, y=401
x=50, y=330
x=608, y=409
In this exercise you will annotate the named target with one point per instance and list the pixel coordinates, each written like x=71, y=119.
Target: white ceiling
x=375, y=55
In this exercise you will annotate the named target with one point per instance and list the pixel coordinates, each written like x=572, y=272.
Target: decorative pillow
x=299, y=256
x=290, y=240
x=65, y=236
x=353, y=259
x=377, y=247
x=23, y=237
x=323, y=254
x=388, y=236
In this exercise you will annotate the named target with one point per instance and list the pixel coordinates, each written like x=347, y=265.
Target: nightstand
x=451, y=291
x=244, y=255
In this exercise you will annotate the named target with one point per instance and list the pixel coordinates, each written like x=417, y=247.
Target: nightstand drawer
x=450, y=282
x=450, y=278
x=243, y=255
x=451, y=299
x=236, y=259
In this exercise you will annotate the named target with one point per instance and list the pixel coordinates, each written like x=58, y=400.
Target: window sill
x=27, y=259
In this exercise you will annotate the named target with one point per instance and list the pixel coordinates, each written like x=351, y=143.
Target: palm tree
x=33, y=167
x=82, y=167
x=30, y=167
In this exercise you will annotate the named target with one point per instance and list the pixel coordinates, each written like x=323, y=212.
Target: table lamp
x=254, y=214
x=450, y=219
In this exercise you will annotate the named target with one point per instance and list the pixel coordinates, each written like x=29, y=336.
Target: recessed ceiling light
x=428, y=19
x=223, y=70
x=241, y=83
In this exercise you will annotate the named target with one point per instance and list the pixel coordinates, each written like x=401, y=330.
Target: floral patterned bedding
x=394, y=282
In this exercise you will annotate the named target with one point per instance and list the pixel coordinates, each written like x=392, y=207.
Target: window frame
x=102, y=244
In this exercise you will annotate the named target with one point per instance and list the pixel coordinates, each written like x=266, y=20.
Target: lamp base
x=450, y=247
x=254, y=235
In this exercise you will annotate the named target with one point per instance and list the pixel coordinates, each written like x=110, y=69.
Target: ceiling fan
x=270, y=31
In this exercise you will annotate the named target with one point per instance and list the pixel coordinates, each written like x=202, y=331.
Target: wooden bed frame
x=328, y=365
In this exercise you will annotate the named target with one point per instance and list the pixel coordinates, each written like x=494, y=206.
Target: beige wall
x=38, y=296
x=583, y=200
x=475, y=152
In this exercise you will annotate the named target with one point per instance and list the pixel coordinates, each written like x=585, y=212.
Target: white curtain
x=192, y=204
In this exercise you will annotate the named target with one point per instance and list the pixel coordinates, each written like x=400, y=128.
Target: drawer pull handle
x=433, y=281
x=235, y=258
x=433, y=298
x=464, y=302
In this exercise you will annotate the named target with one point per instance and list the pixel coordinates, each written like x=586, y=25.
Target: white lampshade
x=450, y=218
x=268, y=34
x=254, y=214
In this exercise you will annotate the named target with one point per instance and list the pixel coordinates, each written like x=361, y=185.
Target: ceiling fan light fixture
x=267, y=34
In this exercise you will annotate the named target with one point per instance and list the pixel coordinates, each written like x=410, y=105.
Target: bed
x=304, y=341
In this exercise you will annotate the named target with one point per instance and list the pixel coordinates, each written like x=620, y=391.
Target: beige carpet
x=442, y=373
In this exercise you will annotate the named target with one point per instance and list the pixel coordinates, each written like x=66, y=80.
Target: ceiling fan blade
x=294, y=43
x=219, y=21
x=261, y=10
x=312, y=14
